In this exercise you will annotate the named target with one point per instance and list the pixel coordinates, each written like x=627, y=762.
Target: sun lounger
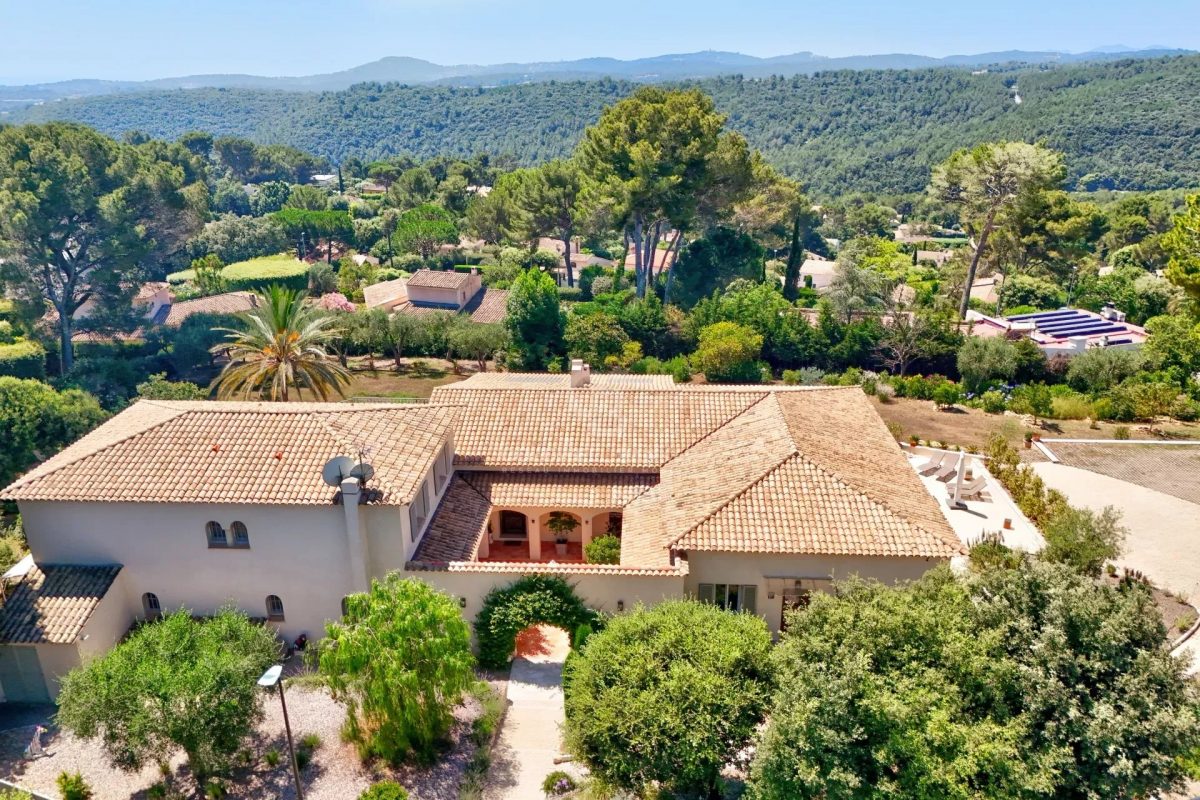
x=933, y=464
x=948, y=471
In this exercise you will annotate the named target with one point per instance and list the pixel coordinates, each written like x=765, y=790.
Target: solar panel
x=1119, y=341
x=1040, y=315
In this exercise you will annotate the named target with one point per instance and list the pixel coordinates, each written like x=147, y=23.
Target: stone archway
x=532, y=600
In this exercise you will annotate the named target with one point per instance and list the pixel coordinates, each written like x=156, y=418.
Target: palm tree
x=283, y=346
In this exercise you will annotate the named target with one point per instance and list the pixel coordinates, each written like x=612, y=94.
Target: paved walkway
x=1164, y=531
x=531, y=737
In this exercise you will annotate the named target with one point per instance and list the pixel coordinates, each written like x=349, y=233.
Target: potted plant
x=1028, y=439
x=561, y=524
x=914, y=440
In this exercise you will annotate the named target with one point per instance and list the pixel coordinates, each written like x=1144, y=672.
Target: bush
x=729, y=353
x=667, y=696
x=73, y=786
x=384, y=790
x=558, y=783
x=1121, y=432
x=400, y=704
x=1071, y=406
x=947, y=394
x=157, y=387
x=1083, y=539
x=273, y=757
x=603, y=550
x=259, y=273
x=986, y=360
x=1101, y=368
x=993, y=402
x=24, y=359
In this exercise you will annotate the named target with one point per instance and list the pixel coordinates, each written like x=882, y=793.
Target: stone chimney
x=581, y=374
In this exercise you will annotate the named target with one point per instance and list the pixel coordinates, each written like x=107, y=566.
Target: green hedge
x=258, y=273
x=23, y=360
x=531, y=600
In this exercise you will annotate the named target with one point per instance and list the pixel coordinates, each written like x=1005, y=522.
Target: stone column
x=486, y=540
x=587, y=530
x=534, y=531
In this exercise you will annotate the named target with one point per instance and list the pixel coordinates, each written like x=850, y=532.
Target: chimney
x=355, y=534
x=1078, y=343
x=581, y=374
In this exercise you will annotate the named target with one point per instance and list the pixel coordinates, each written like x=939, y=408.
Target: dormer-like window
x=151, y=608
x=241, y=536
x=216, y=535
x=417, y=513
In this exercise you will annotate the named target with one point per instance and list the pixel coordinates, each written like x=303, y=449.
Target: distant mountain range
x=683, y=66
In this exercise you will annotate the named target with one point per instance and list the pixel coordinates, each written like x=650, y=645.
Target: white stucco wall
x=299, y=553
x=598, y=591
x=110, y=620
x=754, y=569
x=56, y=660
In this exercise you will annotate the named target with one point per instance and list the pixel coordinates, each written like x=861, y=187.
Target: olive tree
x=176, y=684
x=668, y=696
x=401, y=659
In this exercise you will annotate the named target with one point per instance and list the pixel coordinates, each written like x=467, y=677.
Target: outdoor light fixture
x=462, y=602
x=269, y=680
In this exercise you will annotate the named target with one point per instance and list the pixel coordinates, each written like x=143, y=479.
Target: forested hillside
x=1129, y=124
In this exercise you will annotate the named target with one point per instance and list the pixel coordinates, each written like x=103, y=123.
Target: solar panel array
x=1067, y=323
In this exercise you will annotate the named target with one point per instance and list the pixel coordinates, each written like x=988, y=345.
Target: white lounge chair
x=970, y=490
x=933, y=464
x=949, y=469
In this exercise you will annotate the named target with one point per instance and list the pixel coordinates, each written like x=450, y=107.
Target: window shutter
x=749, y=599
x=705, y=595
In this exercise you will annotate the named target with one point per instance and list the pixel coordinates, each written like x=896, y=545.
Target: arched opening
x=216, y=535
x=514, y=526
x=274, y=608
x=241, y=536
x=542, y=643
x=151, y=608
x=534, y=600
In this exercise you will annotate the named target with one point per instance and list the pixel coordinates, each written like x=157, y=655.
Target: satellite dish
x=336, y=470
x=364, y=472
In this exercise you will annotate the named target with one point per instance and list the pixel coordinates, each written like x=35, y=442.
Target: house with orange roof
x=748, y=497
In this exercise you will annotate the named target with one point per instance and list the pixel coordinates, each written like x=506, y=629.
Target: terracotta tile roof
x=458, y=524
x=439, y=279
x=548, y=568
x=582, y=430
x=228, y=303
x=53, y=602
x=147, y=290
x=487, y=306
x=385, y=293
x=798, y=473
x=554, y=490
x=234, y=452
x=545, y=380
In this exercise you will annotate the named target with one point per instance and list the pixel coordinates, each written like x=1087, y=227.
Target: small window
x=274, y=608
x=241, y=536
x=439, y=473
x=150, y=606
x=216, y=535
x=345, y=606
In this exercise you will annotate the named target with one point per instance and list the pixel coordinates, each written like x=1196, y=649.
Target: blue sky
x=137, y=39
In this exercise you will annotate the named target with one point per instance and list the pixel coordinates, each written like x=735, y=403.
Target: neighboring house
x=748, y=497
x=817, y=273
x=987, y=290
x=386, y=294
x=325, y=180
x=664, y=256
x=1066, y=332
x=937, y=257
x=450, y=290
x=228, y=303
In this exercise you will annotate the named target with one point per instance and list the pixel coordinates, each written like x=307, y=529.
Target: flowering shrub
x=336, y=301
x=558, y=783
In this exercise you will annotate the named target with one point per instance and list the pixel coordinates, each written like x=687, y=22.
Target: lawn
x=417, y=378
x=972, y=427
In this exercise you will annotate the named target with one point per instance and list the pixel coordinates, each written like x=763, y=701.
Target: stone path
x=531, y=737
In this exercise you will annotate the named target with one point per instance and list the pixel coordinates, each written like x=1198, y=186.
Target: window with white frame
x=730, y=596
x=274, y=608
x=417, y=512
x=216, y=535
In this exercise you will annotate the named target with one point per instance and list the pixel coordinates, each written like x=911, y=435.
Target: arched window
x=241, y=536
x=274, y=608
x=150, y=606
x=345, y=606
x=216, y=535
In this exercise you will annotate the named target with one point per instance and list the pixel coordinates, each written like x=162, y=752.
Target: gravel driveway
x=334, y=774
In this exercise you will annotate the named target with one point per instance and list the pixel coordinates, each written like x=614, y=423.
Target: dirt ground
x=973, y=427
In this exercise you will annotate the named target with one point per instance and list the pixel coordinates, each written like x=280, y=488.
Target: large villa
x=748, y=497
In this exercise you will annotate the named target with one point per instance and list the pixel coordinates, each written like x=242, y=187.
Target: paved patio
x=977, y=517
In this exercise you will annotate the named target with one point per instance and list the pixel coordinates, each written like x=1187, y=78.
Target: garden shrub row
x=257, y=273
x=23, y=359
